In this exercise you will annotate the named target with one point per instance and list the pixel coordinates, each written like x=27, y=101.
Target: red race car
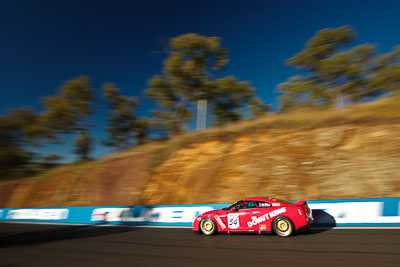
x=260, y=214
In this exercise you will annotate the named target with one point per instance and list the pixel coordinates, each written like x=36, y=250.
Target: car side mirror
x=235, y=209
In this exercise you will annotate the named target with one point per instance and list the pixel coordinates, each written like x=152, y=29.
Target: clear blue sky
x=46, y=42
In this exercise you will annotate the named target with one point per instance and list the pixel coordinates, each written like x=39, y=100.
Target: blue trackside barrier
x=356, y=212
x=343, y=212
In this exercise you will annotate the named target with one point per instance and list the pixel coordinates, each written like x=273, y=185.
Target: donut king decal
x=265, y=217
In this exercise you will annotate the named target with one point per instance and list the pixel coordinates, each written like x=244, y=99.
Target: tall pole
x=201, y=122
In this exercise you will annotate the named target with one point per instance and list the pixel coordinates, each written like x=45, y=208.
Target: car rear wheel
x=208, y=226
x=283, y=226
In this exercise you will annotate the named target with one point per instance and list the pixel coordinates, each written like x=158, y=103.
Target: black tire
x=283, y=226
x=208, y=226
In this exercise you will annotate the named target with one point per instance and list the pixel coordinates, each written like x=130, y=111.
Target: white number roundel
x=233, y=221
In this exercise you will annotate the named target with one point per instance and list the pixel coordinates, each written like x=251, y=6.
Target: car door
x=237, y=219
x=254, y=216
x=260, y=219
x=233, y=217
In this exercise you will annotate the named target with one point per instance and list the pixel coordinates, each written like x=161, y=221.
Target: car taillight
x=307, y=208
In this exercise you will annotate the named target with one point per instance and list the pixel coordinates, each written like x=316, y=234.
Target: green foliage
x=83, y=145
x=121, y=118
x=21, y=127
x=229, y=97
x=336, y=76
x=124, y=127
x=323, y=45
x=141, y=129
x=12, y=156
x=30, y=126
x=385, y=73
x=258, y=108
x=67, y=112
x=50, y=161
x=300, y=92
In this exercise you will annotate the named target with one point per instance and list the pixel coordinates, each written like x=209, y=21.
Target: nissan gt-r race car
x=260, y=214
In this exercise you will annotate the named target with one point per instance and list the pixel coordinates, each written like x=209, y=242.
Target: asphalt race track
x=63, y=245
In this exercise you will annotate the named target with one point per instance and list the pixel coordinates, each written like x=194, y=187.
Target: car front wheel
x=283, y=226
x=208, y=226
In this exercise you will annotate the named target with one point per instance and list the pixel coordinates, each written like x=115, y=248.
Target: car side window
x=242, y=205
x=251, y=205
x=248, y=205
x=262, y=204
x=238, y=204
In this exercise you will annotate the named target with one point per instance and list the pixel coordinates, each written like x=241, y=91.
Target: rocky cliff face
x=345, y=161
x=339, y=162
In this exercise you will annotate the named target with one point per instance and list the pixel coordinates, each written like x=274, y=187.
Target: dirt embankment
x=112, y=182
x=346, y=153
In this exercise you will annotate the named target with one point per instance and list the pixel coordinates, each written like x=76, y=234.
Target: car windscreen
x=234, y=204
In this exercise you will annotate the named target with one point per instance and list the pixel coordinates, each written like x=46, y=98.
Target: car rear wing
x=300, y=203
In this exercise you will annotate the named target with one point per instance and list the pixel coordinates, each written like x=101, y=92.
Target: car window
x=239, y=205
x=248, y=205
x=251, y=205
x=236, y=205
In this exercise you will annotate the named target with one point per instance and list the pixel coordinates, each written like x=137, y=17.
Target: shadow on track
x=314, y=231
x=58, y=234
x=322, y=222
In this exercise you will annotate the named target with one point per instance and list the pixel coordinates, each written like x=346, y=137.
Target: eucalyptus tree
x=68, y=111
x=190, y=74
